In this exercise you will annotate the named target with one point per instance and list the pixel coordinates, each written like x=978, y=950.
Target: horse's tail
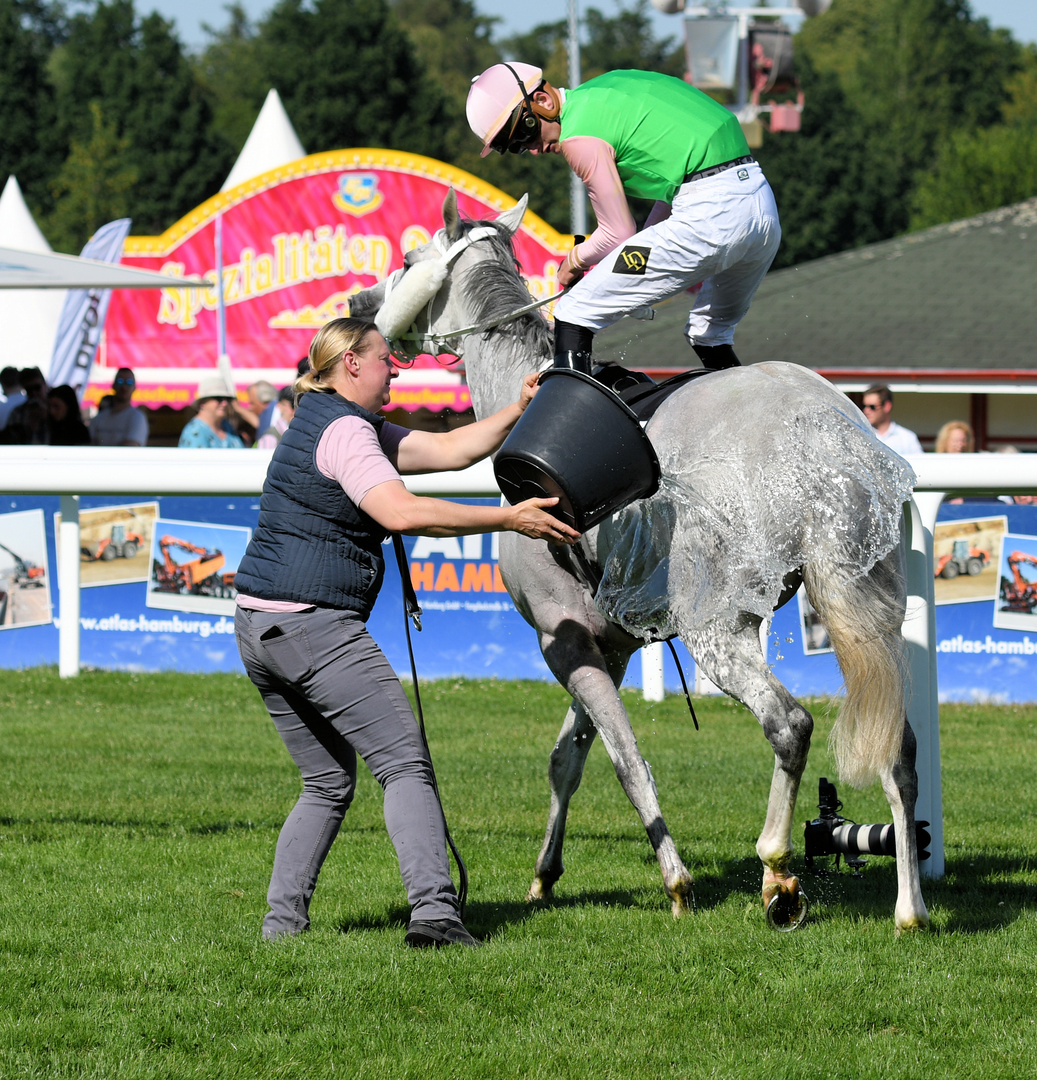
x=864, y=616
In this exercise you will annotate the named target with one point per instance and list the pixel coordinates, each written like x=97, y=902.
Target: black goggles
x=520, y=132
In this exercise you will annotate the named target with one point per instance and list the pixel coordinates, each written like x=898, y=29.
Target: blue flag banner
x=82, y=318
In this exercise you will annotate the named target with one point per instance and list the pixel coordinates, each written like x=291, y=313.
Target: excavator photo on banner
x=200, y=576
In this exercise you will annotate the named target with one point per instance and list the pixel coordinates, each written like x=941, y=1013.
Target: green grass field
x=138, y=815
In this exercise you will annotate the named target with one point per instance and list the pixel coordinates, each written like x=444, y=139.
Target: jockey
x=651, y=136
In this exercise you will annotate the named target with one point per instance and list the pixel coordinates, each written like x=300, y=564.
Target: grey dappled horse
x=770, y=477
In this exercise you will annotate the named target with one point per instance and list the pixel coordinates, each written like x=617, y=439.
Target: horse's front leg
x=737, y=665
x=564, y=772
x=579, y=664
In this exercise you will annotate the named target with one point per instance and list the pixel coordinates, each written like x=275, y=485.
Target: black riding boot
x=573, y=346
x=716, y=357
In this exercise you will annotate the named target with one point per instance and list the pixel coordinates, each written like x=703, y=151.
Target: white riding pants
x=722, y=231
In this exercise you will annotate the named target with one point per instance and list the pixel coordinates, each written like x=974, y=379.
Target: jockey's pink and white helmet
x=493, y=98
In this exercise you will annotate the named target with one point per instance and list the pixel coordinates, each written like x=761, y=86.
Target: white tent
x=28, y=320
x=31, y=270
x=271, y=143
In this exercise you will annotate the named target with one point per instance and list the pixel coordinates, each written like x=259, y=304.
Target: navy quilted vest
x=312, y=544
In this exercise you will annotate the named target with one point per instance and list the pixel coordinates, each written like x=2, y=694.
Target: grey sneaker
x=434, y=935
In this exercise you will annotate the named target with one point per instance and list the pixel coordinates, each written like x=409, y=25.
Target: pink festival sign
x=297, y=243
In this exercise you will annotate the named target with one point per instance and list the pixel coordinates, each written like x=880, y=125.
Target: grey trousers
x=332, y=695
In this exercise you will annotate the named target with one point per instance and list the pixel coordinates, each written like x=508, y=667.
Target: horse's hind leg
x=900, y=784
x=737, y=665
x=591, y=676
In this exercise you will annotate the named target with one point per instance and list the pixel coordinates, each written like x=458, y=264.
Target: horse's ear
x=512, y=219
x=367, y=303
x=451, y=218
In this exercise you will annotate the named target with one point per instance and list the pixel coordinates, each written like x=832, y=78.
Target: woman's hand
x=530, y=385
x=532, y=520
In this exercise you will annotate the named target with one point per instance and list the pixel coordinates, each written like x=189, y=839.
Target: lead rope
x=412, y=610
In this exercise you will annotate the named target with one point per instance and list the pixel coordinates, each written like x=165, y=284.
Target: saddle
x=640, y=392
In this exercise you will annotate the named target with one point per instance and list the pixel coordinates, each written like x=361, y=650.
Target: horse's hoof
x=682, y=899
x=539, y=890
x=913, y=926
x=787, y=908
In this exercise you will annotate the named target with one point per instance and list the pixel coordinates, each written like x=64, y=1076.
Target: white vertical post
x=923, y=708
x=68, y=587
x=652, y=683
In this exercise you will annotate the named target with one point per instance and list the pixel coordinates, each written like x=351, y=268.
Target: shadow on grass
x=970, y=899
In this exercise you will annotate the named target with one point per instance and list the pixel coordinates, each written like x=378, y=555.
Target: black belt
x=703, y=173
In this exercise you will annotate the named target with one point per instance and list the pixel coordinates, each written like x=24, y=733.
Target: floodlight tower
x=725, y=50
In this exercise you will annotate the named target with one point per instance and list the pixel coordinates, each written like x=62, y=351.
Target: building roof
x=955, y=300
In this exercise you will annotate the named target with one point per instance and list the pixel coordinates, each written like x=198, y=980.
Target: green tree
x=30, y=144
x=228, y=72
x=626, y=40
x=93, y=186
x=349, y=76
x=986, y=168
x=452, y=41
x=139, y=76
x=916, y=73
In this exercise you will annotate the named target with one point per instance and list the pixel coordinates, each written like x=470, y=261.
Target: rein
x=436, y=344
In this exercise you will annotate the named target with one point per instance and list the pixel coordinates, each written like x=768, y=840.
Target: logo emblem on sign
x=632, y=260
x=357, y=193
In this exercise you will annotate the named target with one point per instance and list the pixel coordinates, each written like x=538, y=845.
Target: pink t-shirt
x=360, y=458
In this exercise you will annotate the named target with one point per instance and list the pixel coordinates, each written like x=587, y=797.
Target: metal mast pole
x=577, y=192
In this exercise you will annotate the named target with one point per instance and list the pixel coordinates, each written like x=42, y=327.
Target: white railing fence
x=71, y=472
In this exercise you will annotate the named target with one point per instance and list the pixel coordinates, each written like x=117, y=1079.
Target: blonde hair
x=327, y=348
x=943, y=436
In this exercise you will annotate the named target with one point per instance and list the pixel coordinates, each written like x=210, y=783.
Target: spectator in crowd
x=27, y=421
x=64, y=419
x=121, y=423
x=955, y=437
x=211, y=427
x=11, y=393
x=262, y=399
x=283, y=413
x=878, y=408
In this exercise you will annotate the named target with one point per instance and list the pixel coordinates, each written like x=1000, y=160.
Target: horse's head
x=437, y=280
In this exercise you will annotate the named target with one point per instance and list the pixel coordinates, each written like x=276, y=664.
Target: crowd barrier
x=74, y=472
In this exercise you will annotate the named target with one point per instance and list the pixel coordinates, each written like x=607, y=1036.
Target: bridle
x=415, y=342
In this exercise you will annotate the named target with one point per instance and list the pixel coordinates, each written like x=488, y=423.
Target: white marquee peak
x=271, y=143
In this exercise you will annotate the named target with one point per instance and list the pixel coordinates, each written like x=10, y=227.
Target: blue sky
x=1019, y=16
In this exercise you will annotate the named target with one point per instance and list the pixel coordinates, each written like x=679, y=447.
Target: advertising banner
x=82, y=317
x=296, y=243
x=157, y=593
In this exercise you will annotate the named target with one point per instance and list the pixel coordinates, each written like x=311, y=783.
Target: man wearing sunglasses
x=878, y=408
x=121, y=424
x=649, y=136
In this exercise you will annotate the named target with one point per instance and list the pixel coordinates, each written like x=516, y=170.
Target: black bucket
x=578, y=441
